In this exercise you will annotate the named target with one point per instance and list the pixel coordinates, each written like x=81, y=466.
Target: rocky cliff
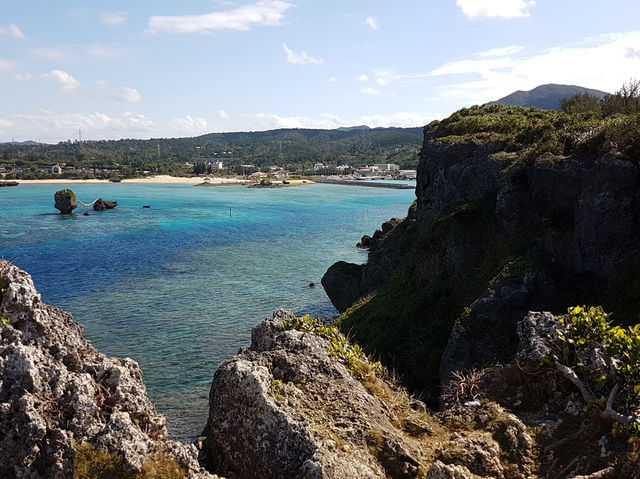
x=301, y=402
x=65, y=406
x=516, y=210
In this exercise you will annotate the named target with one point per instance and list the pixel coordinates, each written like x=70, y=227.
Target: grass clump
x=66, y=192
x=359, y=364
x=93, y=463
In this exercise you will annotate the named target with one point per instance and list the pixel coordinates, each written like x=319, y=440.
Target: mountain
x=545, y=97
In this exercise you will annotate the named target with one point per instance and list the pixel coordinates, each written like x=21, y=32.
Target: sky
x=111, y=69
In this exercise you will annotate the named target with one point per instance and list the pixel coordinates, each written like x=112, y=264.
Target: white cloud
x=14, y=31
x=633, y=52
x=263, y=12
x=301, y=58
x=114, y=19
x=106, y=53
x=267, y=121
x=370, y=91
x=495, y=8
x=400, y=119
x=52, y=127
x=333, y=80
x=21, y=77
x=50, y=54
x=387, y=77
x=223, y=115
x=372, y=22
x=66, y=82
x=191, y=126
x=127, y=95
x=6, y=65
x=363, y=77
x=500, y=52
x=603, y=63
x=101, y=83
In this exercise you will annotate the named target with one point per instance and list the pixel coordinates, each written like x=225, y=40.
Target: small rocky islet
x=446, y=301
x=66, y=201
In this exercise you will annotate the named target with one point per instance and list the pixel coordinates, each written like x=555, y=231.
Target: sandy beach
x=151, y=179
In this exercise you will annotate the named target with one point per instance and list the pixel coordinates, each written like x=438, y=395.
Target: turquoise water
x=178, y=287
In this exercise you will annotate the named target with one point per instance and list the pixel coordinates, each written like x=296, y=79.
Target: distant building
x=280, y=174
x=387, y=166
x=56, y=170
x=343, y=167
x=409, y=174
x=318, y=166
x=259, y=174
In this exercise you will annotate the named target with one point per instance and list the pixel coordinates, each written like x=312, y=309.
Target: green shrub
x=613, y=387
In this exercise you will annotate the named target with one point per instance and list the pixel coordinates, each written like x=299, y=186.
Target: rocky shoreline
x=300, y=402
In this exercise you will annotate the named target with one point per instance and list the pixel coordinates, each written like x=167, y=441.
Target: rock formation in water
x=65, y=201
x=103, y=205
x=60, y=396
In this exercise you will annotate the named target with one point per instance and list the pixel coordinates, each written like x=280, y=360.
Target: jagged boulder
x=65, y=201
x=103, y=205
x=285, y=408
x=342, y=282
x=57, y=392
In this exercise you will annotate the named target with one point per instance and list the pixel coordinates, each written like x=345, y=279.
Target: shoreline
x=159, y=179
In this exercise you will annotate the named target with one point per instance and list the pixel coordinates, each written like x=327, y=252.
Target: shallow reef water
x=178, y=286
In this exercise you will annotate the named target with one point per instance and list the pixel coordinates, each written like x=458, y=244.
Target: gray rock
x=57, y=390
x=439, y=470
x=103, y=205
x=284, y=408
x=65, y=201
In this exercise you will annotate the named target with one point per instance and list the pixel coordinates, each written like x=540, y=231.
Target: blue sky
x=142, y=69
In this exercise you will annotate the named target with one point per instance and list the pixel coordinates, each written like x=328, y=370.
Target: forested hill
x=295, y=149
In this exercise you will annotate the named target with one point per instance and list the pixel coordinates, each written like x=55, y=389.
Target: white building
x=387, y=166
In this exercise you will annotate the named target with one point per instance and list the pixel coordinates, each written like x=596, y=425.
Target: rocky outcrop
x=284, y=408
x=58, y=392
x=65, y=201
x=489, y=238
x=103, y=205
x=290, y=406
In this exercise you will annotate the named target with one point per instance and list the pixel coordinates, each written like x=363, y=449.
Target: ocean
x=178, y=286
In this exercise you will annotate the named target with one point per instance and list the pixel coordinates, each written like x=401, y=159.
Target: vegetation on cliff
x=518, y=209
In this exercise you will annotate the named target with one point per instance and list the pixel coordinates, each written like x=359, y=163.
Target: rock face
x=486, y=242
x=103, y=205
x=57, y=391
x=65, y=201
x=284, y=408
x=288, y=408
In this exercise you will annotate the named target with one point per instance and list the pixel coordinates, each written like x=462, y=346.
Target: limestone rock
x=440, y=470
x=57, y=390
x=284, y=408
x=342, y=282
x=66, y=201
x=103, y=205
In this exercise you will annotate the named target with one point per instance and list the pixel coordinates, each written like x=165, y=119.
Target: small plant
x=463, y=387
x=359, y=364
x=93, y=463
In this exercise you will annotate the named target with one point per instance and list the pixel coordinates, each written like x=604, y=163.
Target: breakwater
x=363, y=183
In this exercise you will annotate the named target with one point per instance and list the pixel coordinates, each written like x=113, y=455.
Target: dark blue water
x=178, y=287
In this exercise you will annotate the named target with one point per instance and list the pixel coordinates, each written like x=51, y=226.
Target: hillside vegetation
x=529, y=208
x=293, y=149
